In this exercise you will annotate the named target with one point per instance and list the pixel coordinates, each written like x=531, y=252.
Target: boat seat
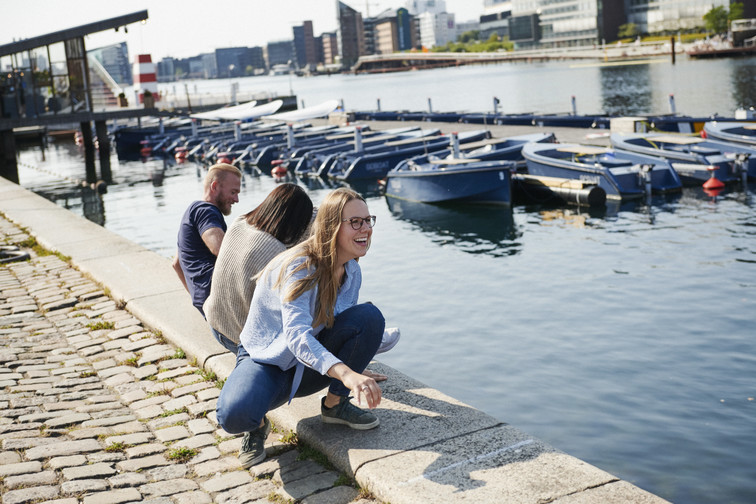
x=706, y=151
x=453, y=161
x=612, y=162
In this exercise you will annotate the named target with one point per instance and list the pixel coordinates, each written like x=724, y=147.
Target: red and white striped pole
x=146, y=77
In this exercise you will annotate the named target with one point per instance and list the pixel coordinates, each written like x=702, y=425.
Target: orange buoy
x=278, y=171
x=180, y=154
x=713, y=182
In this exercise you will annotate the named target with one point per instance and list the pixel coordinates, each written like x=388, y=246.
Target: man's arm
x=179, y=271
x=213, y=237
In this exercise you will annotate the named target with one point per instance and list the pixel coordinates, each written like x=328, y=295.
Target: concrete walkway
x=109, y=378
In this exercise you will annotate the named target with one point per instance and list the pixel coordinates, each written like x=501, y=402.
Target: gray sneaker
x=346, y=413
x=253, y=446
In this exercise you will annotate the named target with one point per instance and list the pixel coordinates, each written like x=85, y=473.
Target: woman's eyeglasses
x=356, y=222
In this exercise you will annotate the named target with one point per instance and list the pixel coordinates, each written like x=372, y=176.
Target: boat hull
x=744, y=133
x=485, y=182
x=685, y=153
x=620, y=178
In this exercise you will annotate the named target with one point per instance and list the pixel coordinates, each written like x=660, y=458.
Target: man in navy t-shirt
x=202, y=229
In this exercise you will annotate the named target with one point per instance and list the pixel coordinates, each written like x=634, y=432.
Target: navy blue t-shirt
x=195, y=258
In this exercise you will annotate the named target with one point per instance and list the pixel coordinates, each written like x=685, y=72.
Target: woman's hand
x=375, y=376
x=359, y=384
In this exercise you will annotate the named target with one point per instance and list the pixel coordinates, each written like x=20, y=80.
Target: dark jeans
x=254, y=388
x=227, y=343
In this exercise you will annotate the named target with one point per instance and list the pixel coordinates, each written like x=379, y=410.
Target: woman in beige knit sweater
x=253, y=239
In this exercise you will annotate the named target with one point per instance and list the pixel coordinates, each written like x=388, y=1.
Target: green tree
x=468, y=36
x=628, y=30
x=716, y=19
x=736, y=11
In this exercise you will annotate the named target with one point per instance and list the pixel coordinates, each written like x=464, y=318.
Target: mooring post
x=89, y=151
x=103, y=147
x=8, y=163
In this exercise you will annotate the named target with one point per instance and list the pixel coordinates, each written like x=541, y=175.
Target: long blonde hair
x=319, y=252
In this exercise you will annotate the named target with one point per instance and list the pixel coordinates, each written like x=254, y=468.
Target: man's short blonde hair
x=218, y=171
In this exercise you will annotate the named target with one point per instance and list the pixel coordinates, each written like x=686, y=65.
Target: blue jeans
x=254, y=388
x=227, y=343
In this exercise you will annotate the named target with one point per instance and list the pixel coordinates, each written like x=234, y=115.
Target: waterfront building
x=417, y=7
x=654, y=16
x=330, y=47
x=257, y=59
x=115, y=60
x=304, y=46
x=281, y=53
x=437, y=29
x=202, y=66
x=564, y=23
x=166, y=70
x=391, y=31
x=351, y=36
x=232, y=61
x=495, y=19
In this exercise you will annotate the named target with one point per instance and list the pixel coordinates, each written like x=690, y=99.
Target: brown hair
x=285, y=213
x=319, y=251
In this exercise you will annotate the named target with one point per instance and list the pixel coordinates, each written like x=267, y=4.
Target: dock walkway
x=108, y=382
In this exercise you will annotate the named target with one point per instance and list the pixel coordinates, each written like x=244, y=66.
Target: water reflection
x=744, y=83
x=626, y=90
x=475, y=229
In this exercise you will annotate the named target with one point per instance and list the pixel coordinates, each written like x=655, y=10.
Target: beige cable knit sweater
x=245, y=251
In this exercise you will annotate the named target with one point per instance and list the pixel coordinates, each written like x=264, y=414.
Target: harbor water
x=623, y=336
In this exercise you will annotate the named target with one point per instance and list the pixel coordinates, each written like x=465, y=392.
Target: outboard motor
x=645, y=174
x=741, y=166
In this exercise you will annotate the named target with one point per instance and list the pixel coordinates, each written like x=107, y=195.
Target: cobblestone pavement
x=95, y=408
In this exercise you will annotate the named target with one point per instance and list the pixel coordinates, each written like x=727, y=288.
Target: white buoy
x=289, y=136
x=358, y=139
x=455, y=145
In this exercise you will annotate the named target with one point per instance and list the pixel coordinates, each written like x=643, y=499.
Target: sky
x=183, y=28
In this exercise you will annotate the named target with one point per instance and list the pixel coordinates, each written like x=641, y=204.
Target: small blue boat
x=452, y=179
x=621, y=178
x=477, y=171
x=695, y=159
x=738, y=132
x=357, y=166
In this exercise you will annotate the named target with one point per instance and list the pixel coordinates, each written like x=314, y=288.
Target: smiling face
x=351, y=243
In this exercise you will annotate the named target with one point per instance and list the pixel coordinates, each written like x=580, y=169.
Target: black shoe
x=346, y=413
x=253, y=446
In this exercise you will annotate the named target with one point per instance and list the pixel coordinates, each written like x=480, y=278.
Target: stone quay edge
x=429, y=447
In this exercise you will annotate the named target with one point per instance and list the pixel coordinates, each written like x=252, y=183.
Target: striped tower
x=146, y=77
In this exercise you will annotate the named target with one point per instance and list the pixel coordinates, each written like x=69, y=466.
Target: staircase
x=104, y=89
